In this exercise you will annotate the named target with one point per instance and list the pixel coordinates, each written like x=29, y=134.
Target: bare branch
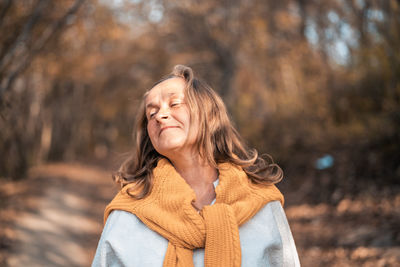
x=24, y=35
x=40, y=44
x=3, y=12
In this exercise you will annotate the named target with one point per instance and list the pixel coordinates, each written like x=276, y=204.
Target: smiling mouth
x=168, y=127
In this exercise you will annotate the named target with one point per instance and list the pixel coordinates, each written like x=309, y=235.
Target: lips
x=167, y=127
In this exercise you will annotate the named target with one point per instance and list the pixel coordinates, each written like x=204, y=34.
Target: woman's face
x=169, y=118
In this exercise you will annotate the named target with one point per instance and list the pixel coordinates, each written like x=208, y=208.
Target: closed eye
x=152, y=113
x=176, y=103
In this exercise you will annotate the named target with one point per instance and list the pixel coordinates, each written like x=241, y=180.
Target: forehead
x=165, y=89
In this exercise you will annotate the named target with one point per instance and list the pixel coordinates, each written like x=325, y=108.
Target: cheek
x=194, y=124
x=151, y=131
x=184, y=118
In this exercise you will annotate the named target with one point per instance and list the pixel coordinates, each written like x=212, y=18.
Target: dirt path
x=357, y=232
x=54, y=218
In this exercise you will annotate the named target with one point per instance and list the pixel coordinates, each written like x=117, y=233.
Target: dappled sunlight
x=57, y=216
x=362, y=231
x=314, y=84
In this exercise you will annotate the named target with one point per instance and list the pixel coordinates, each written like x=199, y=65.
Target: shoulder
x=265, y=219
x=272, y=209
x=126, y=241
x=121, y=218
x=269, y=212
x=272, y=218
x=276, y=213
x=262, y=228
x=121, y=226
x=126, y=225
x=267, y=236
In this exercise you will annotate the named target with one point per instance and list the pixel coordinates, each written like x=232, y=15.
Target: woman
x=193, y=194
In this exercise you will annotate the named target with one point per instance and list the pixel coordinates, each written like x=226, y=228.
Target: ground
x=55, y=217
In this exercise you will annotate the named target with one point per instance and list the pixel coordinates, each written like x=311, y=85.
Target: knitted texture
x=168, y=211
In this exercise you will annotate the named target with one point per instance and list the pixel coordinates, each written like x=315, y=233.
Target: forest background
x=315, y=84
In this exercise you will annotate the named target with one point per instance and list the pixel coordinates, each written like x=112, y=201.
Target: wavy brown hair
x=217, y=140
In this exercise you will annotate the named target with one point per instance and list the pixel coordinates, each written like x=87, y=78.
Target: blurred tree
x=26, y=29
x=301, y=79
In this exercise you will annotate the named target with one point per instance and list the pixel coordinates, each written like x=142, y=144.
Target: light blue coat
x=266, y=240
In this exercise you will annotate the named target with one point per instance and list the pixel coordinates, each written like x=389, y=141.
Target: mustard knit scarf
x=168, y=211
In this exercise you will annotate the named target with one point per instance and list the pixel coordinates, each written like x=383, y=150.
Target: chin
x=170, y=148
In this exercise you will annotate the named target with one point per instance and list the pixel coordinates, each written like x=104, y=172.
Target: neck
x=200, y=176
x=195, y=170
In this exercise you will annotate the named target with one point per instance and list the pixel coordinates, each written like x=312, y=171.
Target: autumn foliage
x=316, y=84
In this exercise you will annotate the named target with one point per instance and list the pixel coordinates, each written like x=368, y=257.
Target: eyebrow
x=151, y=104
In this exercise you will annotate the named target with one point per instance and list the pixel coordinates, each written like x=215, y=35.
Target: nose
x=163, y=114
